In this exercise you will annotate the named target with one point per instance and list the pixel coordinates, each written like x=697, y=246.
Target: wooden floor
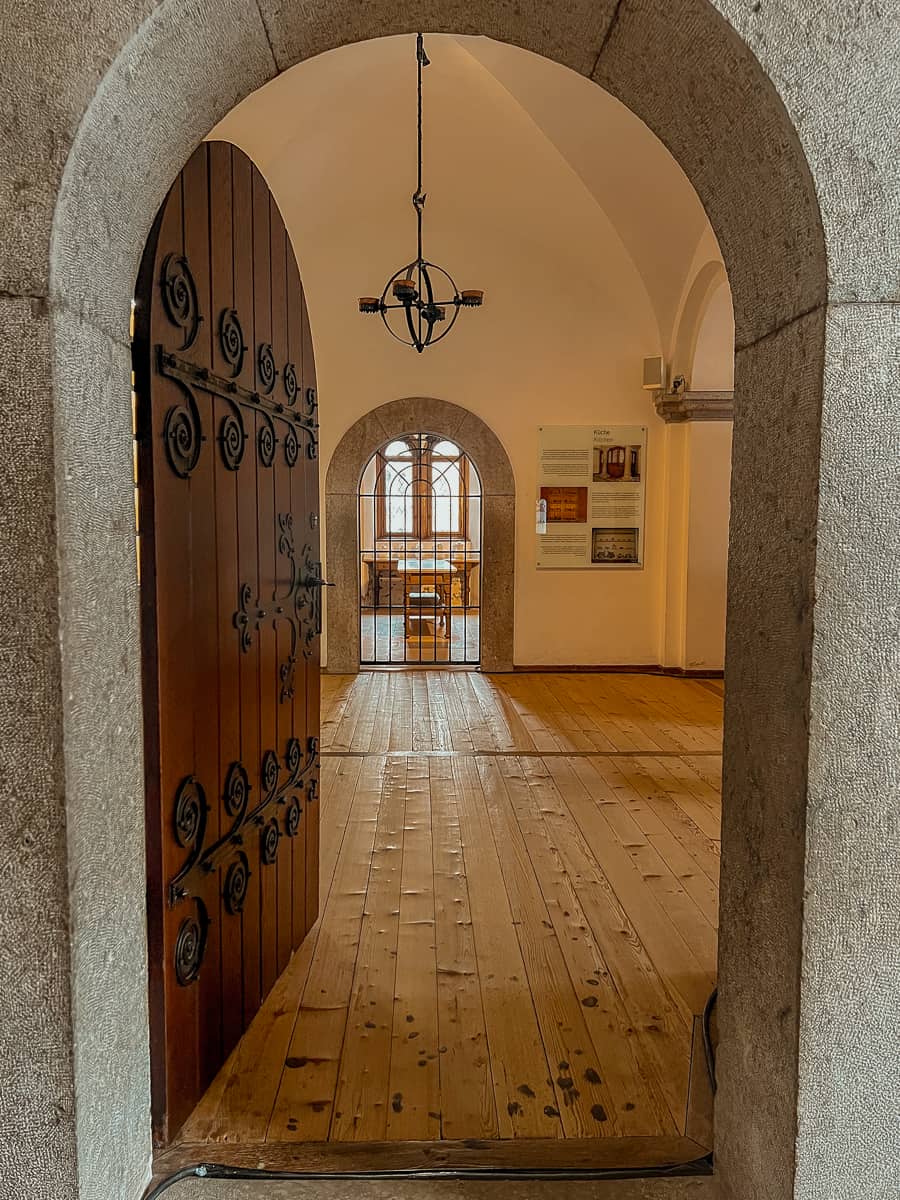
x=518, y=930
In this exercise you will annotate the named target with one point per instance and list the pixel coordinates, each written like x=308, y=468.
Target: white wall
x=568, y=316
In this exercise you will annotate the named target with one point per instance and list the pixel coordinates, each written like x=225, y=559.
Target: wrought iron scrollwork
x=289, y=379
x=269, y=771
x=291, y=447
x=179, y=296
x=190, y=813
x=282, y=784
x=269, y=837
x=299, y=423
x=299, y=606
x=190, y=945
x=267, y=440
x=183, y=435
x=292, y=756
x=312, y=416
x=308, y=600
x=248, y=617
x=237, y=879
x=237, y=791
x=232, y=437
x=293, y=817
x=231, y=340
x=265, y=365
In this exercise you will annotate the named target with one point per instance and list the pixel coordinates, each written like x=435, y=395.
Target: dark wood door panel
x=231, y=604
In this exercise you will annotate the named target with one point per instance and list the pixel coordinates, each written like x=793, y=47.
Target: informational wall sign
x=591, y=496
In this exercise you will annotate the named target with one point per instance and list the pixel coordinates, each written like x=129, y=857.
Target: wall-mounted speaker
x=654, y=375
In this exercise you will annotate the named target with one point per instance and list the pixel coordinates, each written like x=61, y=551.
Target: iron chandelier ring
x=421, y=271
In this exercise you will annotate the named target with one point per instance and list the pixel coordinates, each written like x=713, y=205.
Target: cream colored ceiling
x=625, y=167
x=535, y=177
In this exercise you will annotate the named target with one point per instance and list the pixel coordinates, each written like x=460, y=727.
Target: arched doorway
x=495, y=512
x=420, y=554
x=728, y=127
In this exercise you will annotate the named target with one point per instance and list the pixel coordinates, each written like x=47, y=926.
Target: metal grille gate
x=420, y=543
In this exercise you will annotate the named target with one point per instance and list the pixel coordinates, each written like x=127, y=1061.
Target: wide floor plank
x=519, y=903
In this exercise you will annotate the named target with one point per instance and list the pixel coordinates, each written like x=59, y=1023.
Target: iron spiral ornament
x=312, y=404
x=179, y=295
x=292, y=818
x=237, y=790
x=293, y=755
x=420, y=302
x=237, y=879
x=231, y=340
x=183, y=436
x=190, y=946
x=266, y=440
x=291, y=447
x=269, y=837
x=190, y=813
x=231, y=440
x=289, y=381
x=269, y=771
x=268, y=372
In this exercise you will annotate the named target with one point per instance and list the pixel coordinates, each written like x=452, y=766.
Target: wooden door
x=231, y=614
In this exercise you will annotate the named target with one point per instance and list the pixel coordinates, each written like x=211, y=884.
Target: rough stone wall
x=52, y=56
x=848, y=1118
x=37, y=1104
x=812, y=825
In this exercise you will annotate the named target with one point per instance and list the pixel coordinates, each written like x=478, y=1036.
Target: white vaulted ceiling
x=335, y=138
x=646, y=196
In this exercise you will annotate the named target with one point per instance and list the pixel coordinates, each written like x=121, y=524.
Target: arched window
x=422, y=483
x=420, y=551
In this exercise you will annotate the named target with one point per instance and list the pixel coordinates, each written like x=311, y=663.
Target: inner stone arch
x=479, y=442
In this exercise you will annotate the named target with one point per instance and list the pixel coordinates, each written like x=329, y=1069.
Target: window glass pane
x=447, y=450
x=445, y=503
x=398, y=450
x=398, y=509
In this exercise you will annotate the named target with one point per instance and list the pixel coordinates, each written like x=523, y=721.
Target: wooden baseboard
x=620, y=669
x=693, y=672
x=553, y=1154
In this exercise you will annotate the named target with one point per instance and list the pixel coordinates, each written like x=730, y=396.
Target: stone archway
x=721, y=118
x=486, y=451
x=724, y=121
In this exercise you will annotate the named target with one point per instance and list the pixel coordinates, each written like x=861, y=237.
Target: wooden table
x=416, y=571
x=383, y=559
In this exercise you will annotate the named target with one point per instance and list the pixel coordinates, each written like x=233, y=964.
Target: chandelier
x=408, y=305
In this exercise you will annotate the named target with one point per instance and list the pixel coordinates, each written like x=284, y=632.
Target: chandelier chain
x=419, y=195
x=410, y=292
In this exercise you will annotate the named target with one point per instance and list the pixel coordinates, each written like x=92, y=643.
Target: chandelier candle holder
x=411, y=292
